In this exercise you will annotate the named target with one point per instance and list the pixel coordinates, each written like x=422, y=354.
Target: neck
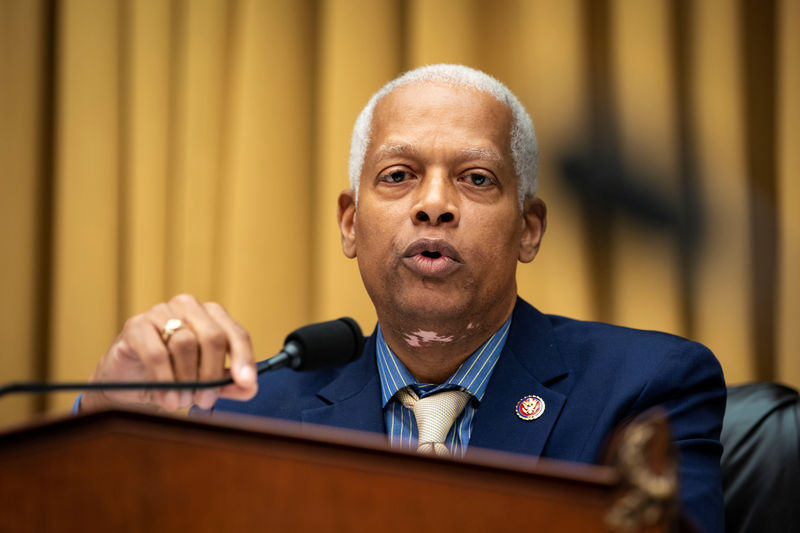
x=433, y=350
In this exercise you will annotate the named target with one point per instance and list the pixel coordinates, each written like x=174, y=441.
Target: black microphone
x=331, y=343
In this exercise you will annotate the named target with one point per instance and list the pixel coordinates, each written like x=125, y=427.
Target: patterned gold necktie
x=435, y=415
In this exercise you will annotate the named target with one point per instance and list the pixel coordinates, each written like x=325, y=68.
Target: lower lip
x=430, y=267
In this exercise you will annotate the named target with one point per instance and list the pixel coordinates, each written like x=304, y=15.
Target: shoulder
x=588, y=343
x=605, y=349
x=628, y=371
x=648, y=367
x=619, y=370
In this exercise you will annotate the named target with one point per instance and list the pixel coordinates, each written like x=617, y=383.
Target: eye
x=395, y=176
x=478, y=180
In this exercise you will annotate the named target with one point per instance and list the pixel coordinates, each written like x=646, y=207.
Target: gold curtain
x=151, y=147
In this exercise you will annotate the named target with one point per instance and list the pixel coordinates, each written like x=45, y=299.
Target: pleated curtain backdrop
x=153, y=147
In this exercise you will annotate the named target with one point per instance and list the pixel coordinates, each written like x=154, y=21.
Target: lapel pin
x=530, y=407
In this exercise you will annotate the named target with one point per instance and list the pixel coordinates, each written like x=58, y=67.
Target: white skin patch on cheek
x=420, y=337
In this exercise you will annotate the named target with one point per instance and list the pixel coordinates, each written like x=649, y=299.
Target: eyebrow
x=482, y=153
x=396, y=149
x=405, y=149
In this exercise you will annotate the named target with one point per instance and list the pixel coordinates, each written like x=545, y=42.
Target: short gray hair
x=523, y=138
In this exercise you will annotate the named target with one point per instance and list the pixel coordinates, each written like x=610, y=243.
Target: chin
x=419, y=302
x=431, y=307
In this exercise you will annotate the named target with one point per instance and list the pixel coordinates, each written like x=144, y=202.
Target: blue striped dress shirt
x=472, y=377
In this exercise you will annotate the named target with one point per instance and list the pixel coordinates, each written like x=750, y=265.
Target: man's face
x=438, y=230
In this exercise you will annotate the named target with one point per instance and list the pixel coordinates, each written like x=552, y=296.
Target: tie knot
x=435, y=415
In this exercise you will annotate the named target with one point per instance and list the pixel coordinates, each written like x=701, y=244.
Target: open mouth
x=433, y=249
x=432, y=255
x=432, y=258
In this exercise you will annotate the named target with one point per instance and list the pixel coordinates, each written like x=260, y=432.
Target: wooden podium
x=118, y=471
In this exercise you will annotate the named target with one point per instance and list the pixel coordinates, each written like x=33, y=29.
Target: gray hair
x=523, y=139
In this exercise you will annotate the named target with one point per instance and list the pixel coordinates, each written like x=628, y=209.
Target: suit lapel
x=527, y=366
x=352, y=399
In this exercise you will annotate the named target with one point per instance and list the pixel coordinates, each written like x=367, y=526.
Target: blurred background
x=151, y=147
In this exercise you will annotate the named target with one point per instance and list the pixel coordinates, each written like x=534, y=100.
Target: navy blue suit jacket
x=591, y=377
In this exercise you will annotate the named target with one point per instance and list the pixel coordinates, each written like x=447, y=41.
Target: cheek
x=497, y=236
x=375, y=240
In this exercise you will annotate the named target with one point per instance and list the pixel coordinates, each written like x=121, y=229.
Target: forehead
x=444, y=113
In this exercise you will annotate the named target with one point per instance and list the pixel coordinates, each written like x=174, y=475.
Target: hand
x=196, y=351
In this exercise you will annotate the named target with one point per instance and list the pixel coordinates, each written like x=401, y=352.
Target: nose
x=437, y=201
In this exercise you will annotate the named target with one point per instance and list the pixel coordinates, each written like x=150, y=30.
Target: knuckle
x=159, y=309
x=134, y=323
x=215, y=307
x=183, y=298
x=215, y=339
x=183, y=343
x=124, y=349
x=242, y=334
x=157, y=357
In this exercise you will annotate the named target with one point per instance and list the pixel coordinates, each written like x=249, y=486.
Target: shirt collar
x=472, y=376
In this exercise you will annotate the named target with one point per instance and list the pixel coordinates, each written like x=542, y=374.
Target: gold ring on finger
x=172, y=325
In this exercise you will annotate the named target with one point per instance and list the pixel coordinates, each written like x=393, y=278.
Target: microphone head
x=331, y=343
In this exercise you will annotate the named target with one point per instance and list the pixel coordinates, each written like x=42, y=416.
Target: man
x=442, y=206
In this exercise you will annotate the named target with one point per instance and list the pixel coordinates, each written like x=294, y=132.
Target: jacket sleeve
x=689, y=384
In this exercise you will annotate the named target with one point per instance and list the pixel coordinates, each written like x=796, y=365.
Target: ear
x=346, y=214
x=534, y=222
